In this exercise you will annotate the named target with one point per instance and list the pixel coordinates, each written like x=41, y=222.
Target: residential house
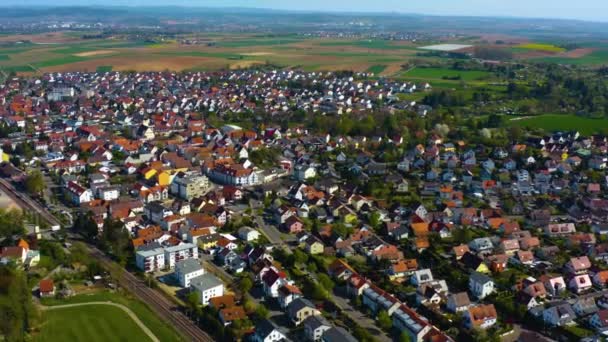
x=481, y=316
x=579, y=265
x=337, y=334
x=300, y=309
x=580, y=283
x=314, y=327
x=458, y=302
x=231, y=314
x=46, y=288
x=407, y=320
x=599, y=321
x=248, y=234
x=560, y=314
x=480, y=285
x=287, y=294
x=584, y=306
x=267, y=331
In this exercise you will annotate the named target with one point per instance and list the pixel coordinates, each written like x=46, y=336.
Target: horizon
x=586, y=10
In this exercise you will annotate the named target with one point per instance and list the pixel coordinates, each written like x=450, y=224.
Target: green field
x=442, y=73
x=104, y=68
x=159, y=328
x=89, y=323
x=597, y=57
x=563, y=122
x=369, y=44
x=376, y=69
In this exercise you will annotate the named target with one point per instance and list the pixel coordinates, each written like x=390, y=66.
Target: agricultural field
x=563, y=122
x=592, y=57
x=445, y=74
x=62, y=52
x=541, y=47
x=89, y=323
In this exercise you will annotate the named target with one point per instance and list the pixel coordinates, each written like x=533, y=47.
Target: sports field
x=89, y=323
x=159, y=328
x=563, y=122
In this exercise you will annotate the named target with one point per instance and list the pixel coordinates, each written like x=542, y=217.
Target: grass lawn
x=89, y=323
x=160, y=328
x=443, y=73
x=563, y=122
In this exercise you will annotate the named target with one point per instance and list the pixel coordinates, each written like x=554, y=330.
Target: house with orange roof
x=481, y=316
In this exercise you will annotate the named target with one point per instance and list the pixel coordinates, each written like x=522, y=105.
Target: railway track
x=26, y=202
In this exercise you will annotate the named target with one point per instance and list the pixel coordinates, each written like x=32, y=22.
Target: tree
x=245, y=284
x=116, y=240
x=11, y=222
x=34, y=183
x=16, y=309
x=261, y=312
x=193, y=299
x=300, y=257
x=326, y=281
x=405, y=337
x=384, y=320
x=86, y=225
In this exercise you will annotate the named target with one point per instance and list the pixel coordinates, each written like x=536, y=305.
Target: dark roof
x=298, y=304
x=338, y=334
x=264, y=327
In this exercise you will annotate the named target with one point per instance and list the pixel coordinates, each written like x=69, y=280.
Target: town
x=266, y=231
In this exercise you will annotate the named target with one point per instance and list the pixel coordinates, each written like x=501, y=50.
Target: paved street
x=358, y=316
x=272, y=234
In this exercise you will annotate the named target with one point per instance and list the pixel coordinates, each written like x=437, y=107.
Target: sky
x=596, y=10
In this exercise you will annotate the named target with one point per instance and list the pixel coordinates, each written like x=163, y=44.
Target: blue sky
x=580, y=9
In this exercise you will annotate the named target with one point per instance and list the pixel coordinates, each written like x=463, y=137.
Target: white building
x=78, y=194
x=150, y=260
x=186, y=270
x=303, y=172
x=208, y=286
x=480, y=285
x=181, y=252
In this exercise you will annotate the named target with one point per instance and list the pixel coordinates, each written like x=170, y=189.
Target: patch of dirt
x=141, y=63
x=43, y=38
x=535, y=54
x=254, y=54
x=244, y=64
x=94, y=53
x=577, y=53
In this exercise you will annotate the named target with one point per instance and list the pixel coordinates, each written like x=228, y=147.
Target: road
x=272, y=234
x=124, y=308
x=359, y=317
x=156, y=300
